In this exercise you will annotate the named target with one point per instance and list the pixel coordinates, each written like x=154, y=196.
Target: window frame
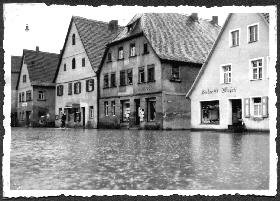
x=238, y=30
x=73, y=39
x=113, y=107
x=149, y=101
x=64, y=67
x=24, y=78
x=139, y=74
x=128, y=71
x=73, y=63
x=28, y=95
x=226, y=72
x=109, y=58
x=83, y=62
x=42, y=97
x=259, y=106
x=77, y=86
x=123, y=79
x=91, y=112
x=106, y=108
x=151, y=66
x=251, y=69
x=248, y=32
x=59, y=90
x=113, y=84
x=147, y=49
x=105, y=81
x=120, y=53
x=172, y=73
x=70, y=88
x=89, y=82
x=132, y=50
x=201, y=112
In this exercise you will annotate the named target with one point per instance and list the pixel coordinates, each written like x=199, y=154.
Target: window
x=91, y=112
x=64, y=67
x=145, y=49
x=151, y=109
x=70, y=88
x=106, y=108
x=83, y=62
x=22, y=97
x=210, y=112
x=73, y=63
x=73, y=39
x=234, y=38
x=22, y=116
x=109, y=57
x=19, y=97
x=106, y=81
x=113, y=79
x=253, y=33
x=77, y=87
x=120, y=53
x=129, y=76
x=141, y=75
x=257, y=107
x=256, y=69
x=24, y=78
x=59, y=90
x=122, y=78
x=227, y=74
x=90, y=85
x=151, y=73
x=125, y=110
x=28, y=95
x=113, y=106
x=175, y=73
x=41, y=95
x=132, y=50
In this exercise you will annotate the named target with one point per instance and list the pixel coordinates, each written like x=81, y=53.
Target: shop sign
x=24, y=104
x=222, y=90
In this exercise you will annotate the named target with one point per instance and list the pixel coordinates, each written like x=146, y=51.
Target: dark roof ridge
x=24, y=50
x=91, y=20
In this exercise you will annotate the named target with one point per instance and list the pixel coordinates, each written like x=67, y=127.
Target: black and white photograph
x=115, y=100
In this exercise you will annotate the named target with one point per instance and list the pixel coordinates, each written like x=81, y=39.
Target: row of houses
x=160, y=71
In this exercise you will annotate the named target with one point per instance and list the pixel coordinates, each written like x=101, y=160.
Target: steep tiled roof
x=175, y=36
x=15, y=64
x=94, y=35
x=41, y=66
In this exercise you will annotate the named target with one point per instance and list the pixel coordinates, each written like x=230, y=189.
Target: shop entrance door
x=236, y=111
x=27, y=118
x=137, y=106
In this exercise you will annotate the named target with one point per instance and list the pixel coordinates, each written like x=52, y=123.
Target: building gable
x=23, y=71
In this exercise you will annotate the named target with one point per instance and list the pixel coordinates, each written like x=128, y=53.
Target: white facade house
x=232, y=87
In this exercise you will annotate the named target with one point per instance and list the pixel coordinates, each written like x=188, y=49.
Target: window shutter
x=80, y=85
x=265, y=106
x=87, y=81
x=61, y=90
x=250, y=71
x=92, y=84
x=221, y=75
x=246, y=107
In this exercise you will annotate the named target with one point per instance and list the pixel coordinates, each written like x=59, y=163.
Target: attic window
x=130, y=27
x=73, y=39
x=73, y=63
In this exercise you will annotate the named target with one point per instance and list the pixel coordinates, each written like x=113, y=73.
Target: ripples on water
x=136, y=159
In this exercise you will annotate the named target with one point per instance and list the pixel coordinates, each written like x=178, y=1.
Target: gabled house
x=76, y=80
x=232, y=87
x=146, y=69
x=15, y=69
x=36, y=90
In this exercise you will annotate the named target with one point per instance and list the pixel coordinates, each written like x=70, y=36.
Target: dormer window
x=132, y=50
x=120, y=53
x=109, y=57
x=73, y=39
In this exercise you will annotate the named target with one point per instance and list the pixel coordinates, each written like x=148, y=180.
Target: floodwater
x=71, y=159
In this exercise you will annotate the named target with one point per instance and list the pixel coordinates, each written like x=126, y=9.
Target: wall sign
x=216, y=90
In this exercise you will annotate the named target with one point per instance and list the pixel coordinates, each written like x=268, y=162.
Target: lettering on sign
x=215, y=90
x=209, y=91
x=228, y=90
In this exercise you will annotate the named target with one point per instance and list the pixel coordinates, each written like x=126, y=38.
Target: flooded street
x=136, y=159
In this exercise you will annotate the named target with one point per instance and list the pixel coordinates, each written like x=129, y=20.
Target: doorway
x=27, y=118
x=137, y=106
x=84, y=121
x=236, y=111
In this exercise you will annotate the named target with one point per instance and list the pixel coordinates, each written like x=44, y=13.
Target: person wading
x=63, y=119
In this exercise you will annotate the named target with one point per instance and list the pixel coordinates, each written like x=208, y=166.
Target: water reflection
x=137, y=159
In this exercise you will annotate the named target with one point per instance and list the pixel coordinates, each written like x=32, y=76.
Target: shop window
x=151, y=73
x=113, y=79
x=256, y=69
x=210, y=112
x=83, y=62
x=226, y=71
x=234, y=38
x=120, y=53
x=64, y=67
x=106, y=108
x=77, y=87
x=77, y=114
x=122, y=78
x=89, y=85
x=109, y=57
x=257, y=104
x=24, y=78
x=151, y=109
x=141, y=75
x=73, y=63
x=175, y=73
x=28, y=95
x=59, y=90
x=129, y=76
x=91, y=112
x=73, y=39
x=113, y=106
x=106, y=81
x=125, y=110
x=41, y=95
x=145, y=48
x=253, y=33
x=132, y=50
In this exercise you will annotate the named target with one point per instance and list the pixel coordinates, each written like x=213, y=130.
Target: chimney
x=214, y=19
x=37, y=48
x=194, y=16
x=113, y=25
